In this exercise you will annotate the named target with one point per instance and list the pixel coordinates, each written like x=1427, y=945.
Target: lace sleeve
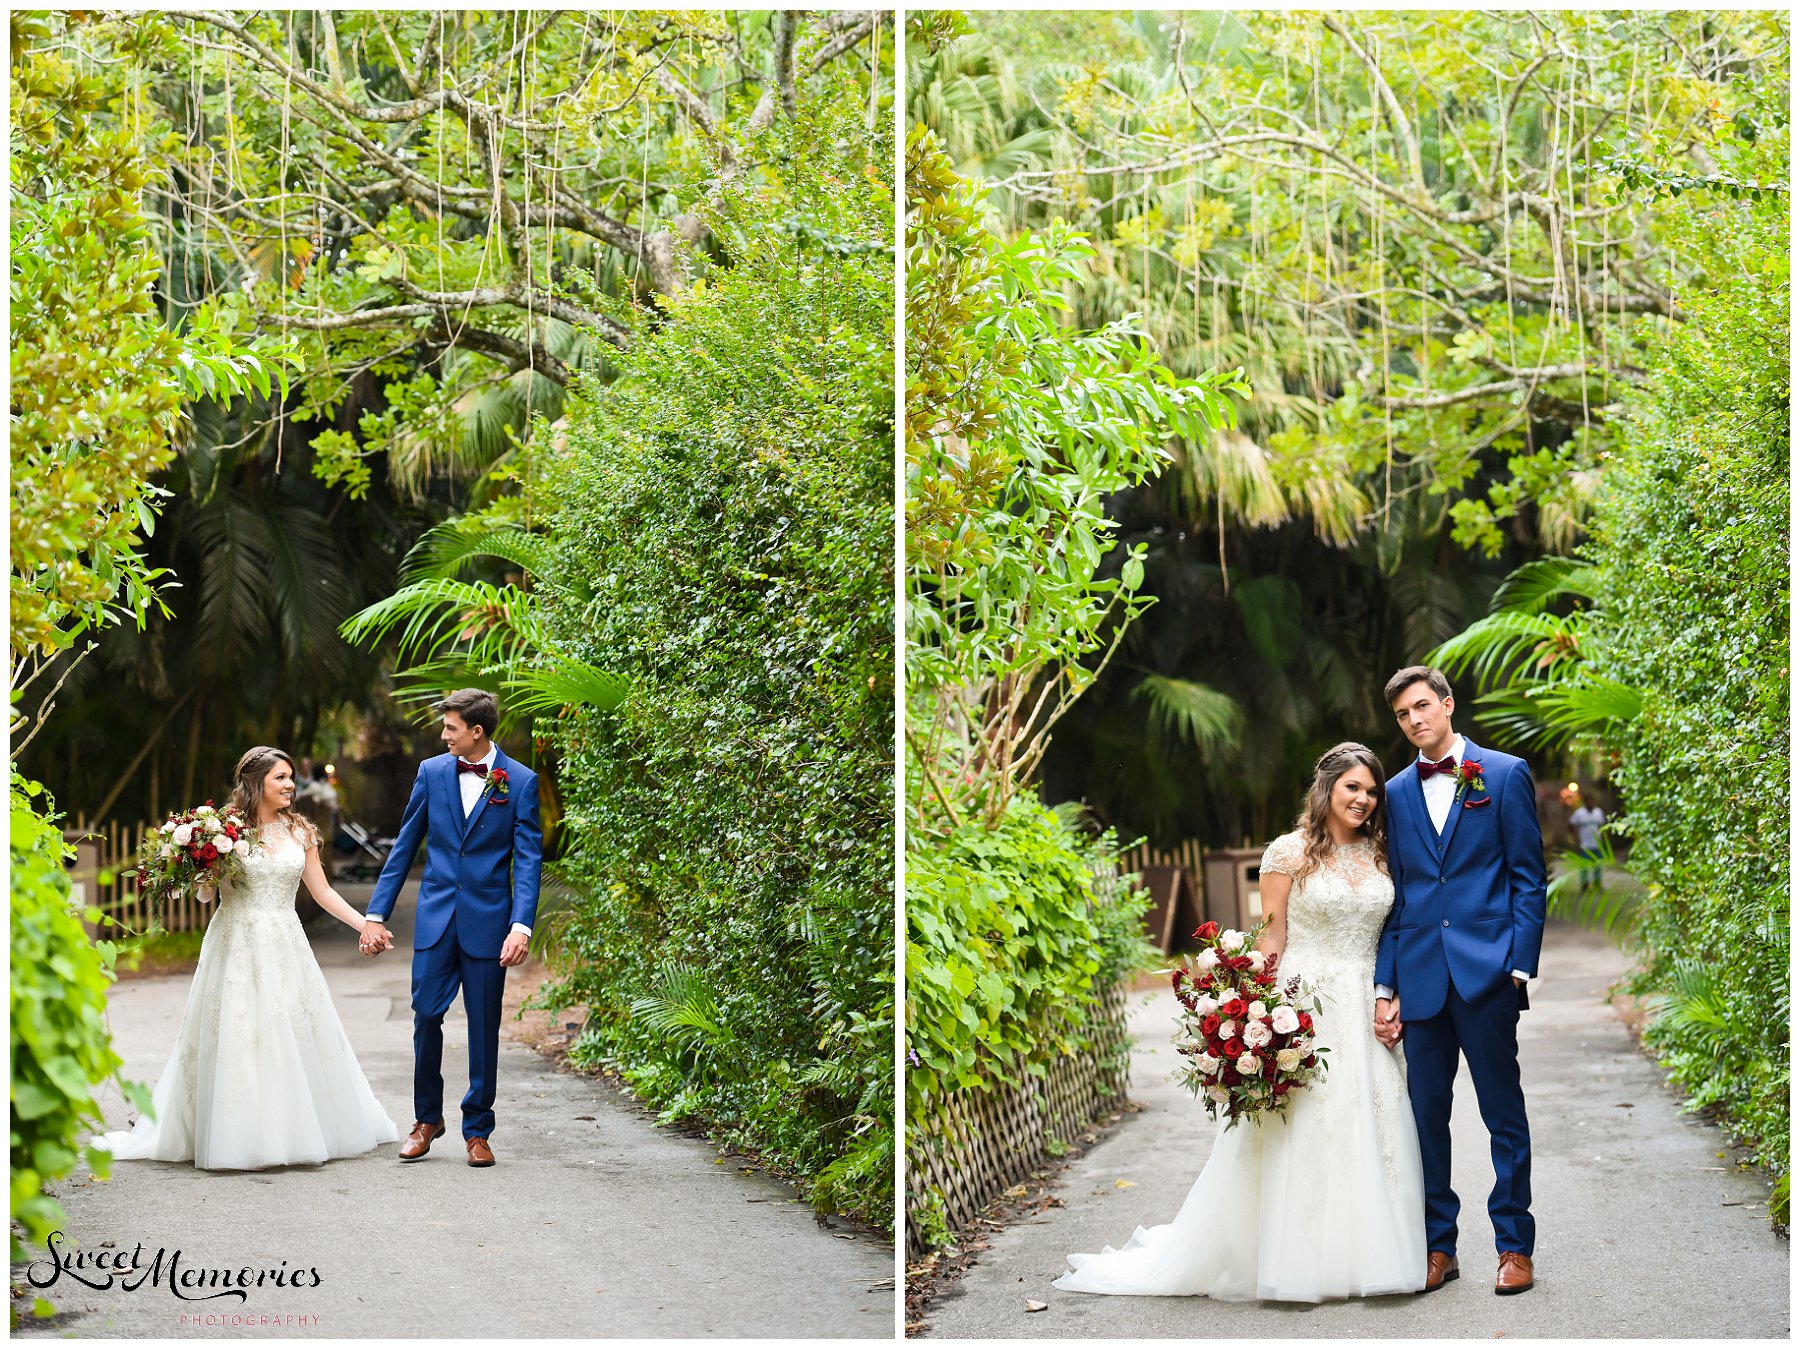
x=1283, y=855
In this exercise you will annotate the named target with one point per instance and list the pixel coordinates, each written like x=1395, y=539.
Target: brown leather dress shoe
x=1514, y=1275
x=480, y=1154
x=1440, y=1268
x=417, y=1143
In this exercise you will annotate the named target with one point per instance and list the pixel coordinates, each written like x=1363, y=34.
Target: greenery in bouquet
x=1246, y=1037
x=195, y=849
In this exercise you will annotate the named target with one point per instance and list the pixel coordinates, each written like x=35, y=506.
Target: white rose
x=1208, y=1064
x=221, y=842
x=1288, y=1059
x=1227, y=1029
x=1258, y=1011
x=242, y=848
x=1206, y=1004
x=168, y=826
x=1219, y=1094
x=1231, y=940
x=1286, y=1020
x=1258, y=960
x=1256, y=1035
x=1209, y=959
x=184, y=835
x=168, y=850
x=1249, y=1065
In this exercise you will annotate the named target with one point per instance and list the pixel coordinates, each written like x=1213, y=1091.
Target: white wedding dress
x=262, y=1073
x=1330, y=1201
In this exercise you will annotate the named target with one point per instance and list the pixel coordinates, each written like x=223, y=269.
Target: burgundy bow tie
x=478, y=769
x=1446, y=765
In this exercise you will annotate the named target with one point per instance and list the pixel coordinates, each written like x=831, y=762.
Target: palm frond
x=482, y=623
x=1270, y=609
x=1549, y=716
x=446, y=549
x=1181, y=709
x=1527, y=643
x=1615, y=910
x=567, y=683
x=1533, y=587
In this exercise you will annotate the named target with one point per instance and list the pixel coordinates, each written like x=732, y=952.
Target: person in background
x=318, y=801
x=1585, y=822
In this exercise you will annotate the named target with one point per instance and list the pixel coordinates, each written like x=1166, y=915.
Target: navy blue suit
x=481, y=877
x=1468, y=910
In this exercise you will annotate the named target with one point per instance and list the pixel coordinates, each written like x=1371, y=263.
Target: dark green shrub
x=725, y=531
x=1691, y=598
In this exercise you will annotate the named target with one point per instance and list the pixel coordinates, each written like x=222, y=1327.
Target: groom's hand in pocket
x=513, y=952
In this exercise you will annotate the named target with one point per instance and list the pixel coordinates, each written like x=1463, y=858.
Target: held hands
x=1387, y=1021
x=513, y=952
x=375, y=938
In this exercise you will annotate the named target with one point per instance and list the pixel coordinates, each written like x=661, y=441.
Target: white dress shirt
x=472, y=785
x=1440, y=795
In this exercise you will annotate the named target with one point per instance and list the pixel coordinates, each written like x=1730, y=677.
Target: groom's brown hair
x=476, y=707
x=1403, y=680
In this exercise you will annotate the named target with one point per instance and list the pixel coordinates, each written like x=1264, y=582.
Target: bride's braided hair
x=247, y=791
x=1311, y=826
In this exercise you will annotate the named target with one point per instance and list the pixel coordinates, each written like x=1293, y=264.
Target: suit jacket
x=483, y=871
x=1469, y=904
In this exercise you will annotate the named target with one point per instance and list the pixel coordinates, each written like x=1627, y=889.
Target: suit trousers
x=1486, y=1033
x=437, y=972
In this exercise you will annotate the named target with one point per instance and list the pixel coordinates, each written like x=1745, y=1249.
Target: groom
x=1467, y=859
x=477, y=813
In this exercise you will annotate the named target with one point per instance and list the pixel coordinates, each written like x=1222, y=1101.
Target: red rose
x=1471, y=769
x=1234, y=1009
x=1210, y=1026
x=1310, y=1061
x=209, y=854
x=1306, y=1021
x=1233, y=1047
x=1207, y=931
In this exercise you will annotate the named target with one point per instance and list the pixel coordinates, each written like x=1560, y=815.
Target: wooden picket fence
x=1189, y=855
x=977, y=1144
x=101, y=867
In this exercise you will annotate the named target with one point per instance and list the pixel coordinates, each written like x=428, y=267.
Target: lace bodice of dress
x=1334, y=913
x=271, y=876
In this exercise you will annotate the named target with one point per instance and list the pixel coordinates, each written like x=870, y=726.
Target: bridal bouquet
x=1246, y=1039
x=201, y=847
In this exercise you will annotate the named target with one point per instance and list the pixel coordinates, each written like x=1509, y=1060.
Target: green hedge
x=725, y=509
x=1691, y=542
x=1008, y=942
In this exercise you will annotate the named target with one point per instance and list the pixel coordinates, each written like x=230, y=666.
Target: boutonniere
x=1468, y=777
x=498, y=782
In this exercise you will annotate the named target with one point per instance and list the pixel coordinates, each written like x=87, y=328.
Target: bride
x=1328, y=1202
x=262, y=1073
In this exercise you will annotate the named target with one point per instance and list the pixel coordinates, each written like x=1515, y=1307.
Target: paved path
x=595, y=1223
x=1644, y=1228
